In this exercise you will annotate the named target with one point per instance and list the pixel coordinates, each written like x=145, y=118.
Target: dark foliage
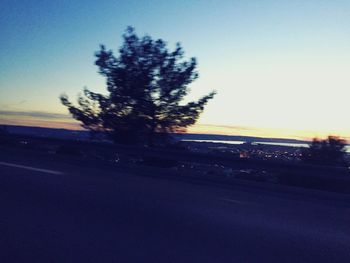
x=3, y=133
x=330, y=151
x=146, y=85
x=5, y=137
x=3, y=130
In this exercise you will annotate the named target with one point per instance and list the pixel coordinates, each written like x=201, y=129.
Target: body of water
x=264, y=143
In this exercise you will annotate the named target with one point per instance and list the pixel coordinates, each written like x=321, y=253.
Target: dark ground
x=94, y=212
x=213, y=162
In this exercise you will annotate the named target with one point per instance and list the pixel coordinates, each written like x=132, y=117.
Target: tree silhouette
x=146, y=84
x=330, y=151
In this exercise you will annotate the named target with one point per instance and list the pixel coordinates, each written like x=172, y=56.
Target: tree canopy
x=146, y=86
x=330, y=151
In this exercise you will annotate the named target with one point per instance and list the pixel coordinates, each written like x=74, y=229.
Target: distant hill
x=250, y=139
x=84, y=135
x=47, y=132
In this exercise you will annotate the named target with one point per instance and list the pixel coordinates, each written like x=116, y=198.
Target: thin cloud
x=42, y=123
x=34, y=114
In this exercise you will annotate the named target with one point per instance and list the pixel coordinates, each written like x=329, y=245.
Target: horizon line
x=200, y=128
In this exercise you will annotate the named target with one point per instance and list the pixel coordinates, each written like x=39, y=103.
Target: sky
x=280, y=68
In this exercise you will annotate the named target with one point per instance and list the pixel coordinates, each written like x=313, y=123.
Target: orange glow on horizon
x=198, y=128
x=42, y=123
x=264, y=132
x=71, y=124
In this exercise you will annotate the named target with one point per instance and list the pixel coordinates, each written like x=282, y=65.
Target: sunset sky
x=281, y=68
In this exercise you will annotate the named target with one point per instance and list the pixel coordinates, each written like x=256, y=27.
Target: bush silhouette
x=330, y=151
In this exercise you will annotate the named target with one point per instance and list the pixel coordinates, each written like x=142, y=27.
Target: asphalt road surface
x=58, y=210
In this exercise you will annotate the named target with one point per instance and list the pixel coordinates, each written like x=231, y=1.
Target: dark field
x=66, y=201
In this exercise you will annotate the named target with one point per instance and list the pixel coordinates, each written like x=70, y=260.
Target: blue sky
x=277, y=65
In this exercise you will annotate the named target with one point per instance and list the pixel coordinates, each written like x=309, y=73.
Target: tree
x=146, y=85
x=330, y=151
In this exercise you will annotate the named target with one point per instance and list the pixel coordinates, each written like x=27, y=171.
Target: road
x=54, y=210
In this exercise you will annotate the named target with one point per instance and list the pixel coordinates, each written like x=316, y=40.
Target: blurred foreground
x=56, y=208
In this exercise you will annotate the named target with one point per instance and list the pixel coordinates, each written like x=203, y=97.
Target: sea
x=264, y=143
